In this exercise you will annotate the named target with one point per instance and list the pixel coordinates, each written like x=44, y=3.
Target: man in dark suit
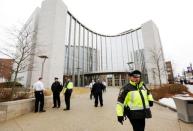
x=56, y=89
x=97, y=90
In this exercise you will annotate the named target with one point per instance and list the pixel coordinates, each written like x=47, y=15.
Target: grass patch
x=81, y=90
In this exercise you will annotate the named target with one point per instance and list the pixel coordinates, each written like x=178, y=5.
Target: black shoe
x=54, y=107
x=58, y=107
x=101, y=105
x=66, y=109
x=95, y=105
x=35, y=111
x=43, y=111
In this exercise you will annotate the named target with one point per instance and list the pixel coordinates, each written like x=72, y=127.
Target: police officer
x=39, y=95
x=134, y=101
x=67, y=94
x=97, y=90
x=56, y=89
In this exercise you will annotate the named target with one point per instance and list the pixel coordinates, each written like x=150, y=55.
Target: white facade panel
x=50, y=41
x=152, y=45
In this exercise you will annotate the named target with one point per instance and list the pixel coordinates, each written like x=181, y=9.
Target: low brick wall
x=12, y=109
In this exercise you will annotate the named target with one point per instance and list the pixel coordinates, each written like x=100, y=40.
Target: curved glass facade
x=77, y=51
x=87, y=52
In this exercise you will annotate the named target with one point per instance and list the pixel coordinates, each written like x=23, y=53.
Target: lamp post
x=129, y=64
x=44, y=57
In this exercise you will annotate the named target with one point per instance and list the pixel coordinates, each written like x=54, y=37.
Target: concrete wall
x=51, y=41
x=12, y=109
x=152, y=43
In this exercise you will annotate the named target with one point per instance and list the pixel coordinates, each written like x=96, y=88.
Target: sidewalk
x=83, y=116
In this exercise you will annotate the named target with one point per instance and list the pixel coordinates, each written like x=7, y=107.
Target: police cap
x=135, y=73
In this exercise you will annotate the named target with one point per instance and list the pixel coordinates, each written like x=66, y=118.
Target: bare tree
x=157, y=59
x=21, y=50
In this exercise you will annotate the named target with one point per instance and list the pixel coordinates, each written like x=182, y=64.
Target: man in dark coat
x=97, y=90
x=56, y=89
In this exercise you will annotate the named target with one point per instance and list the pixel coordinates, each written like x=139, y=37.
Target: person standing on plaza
x=67, y=94
x=39, y=95
x=105, y=85
x=90, y=86
x=56, y=89
x=181, y=81
x=97, y=91
x=134, y=101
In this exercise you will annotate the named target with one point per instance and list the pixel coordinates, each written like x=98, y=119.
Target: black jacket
x=97, y=88
x=56, y=87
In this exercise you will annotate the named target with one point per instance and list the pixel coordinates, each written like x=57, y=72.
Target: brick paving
x=83, y=116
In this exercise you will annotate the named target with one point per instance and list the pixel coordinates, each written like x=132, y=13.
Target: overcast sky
x=173, y=18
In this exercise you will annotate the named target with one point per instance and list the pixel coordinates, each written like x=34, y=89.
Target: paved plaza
x=85, y=117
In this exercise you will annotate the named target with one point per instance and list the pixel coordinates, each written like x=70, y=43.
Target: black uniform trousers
x=56, y=99
x=91, y=94
x=67, y=98
x=138, y=124
x=39, y=102
x=98, y=95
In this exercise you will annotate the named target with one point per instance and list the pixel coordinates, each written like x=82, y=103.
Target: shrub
x=21, y=93
x=5, y=94
x=168, y=90
x=48, y=92
x=9, y=84
x=24, y=93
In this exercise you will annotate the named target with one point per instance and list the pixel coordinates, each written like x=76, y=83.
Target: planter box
x=184, y=106
x=12, y=109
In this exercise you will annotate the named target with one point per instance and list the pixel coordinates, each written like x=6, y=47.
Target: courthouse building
x=72, y=49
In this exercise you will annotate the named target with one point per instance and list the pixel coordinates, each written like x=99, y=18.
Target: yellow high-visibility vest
x=70, y=85
x=133, y=99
